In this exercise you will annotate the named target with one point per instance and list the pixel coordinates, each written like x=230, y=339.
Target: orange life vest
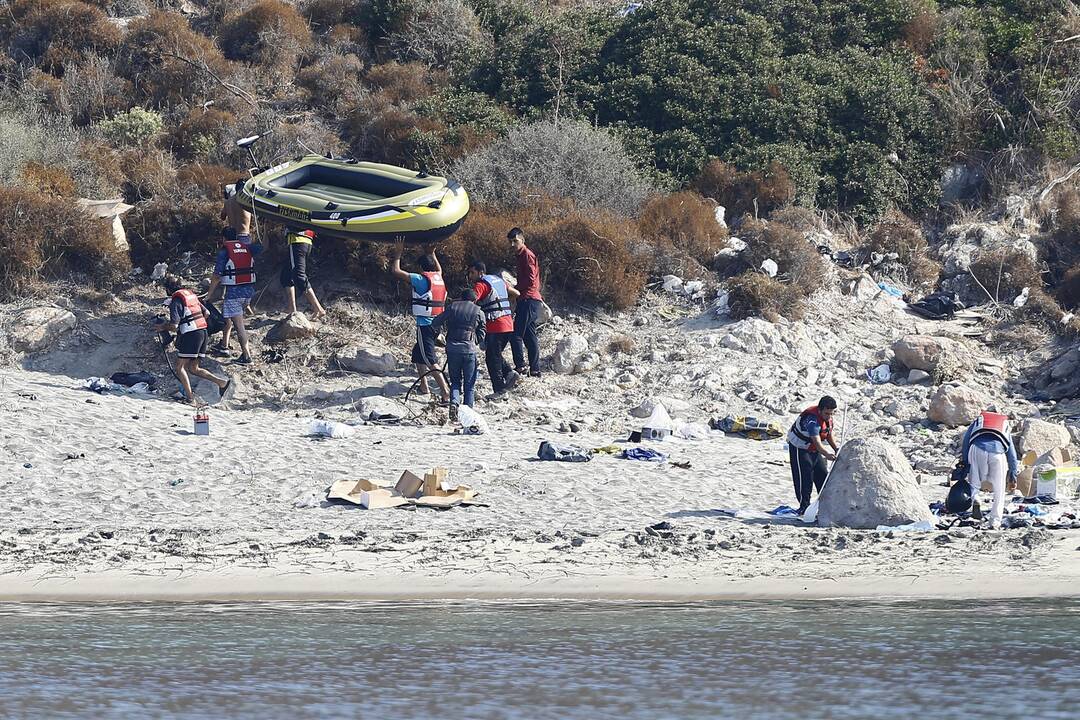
x=432, y=302
x=193, y=317
x=995, y=425
x=826, y=427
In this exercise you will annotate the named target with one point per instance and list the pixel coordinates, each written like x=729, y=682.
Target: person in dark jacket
x=464, y=322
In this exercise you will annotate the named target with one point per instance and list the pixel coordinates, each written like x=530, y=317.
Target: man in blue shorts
x=235, y=269
x=428, y=302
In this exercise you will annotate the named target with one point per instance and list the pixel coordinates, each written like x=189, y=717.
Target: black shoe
x=223, y=391
x=511, y=380
x=520, y=371
x=534, y=373
x=219, y=351
x=242, y=360
x=453, y=412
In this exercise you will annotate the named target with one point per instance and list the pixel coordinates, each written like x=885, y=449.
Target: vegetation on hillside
x=609, y=129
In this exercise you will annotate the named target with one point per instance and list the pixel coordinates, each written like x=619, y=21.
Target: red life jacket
x=995, y=425
x=193, y=317
x=826, y=427
x=240, y=267
x=433, y=301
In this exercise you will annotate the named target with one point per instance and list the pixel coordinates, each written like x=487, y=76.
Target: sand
x=113, y=497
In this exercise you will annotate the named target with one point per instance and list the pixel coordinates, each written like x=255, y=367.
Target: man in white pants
x=988, y=449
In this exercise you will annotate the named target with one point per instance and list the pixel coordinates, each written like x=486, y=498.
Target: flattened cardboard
x=379, y=499
x=438, y=501
x=349, y=490
x=409, y=485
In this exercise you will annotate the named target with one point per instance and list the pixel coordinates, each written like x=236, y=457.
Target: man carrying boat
x=294, y=275
x=234, y=269
x=236, y=215
x=428, y=301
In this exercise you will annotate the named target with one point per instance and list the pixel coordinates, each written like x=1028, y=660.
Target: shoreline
x=329, y=587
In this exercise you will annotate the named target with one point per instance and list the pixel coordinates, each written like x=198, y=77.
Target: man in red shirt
x=493, y=296
x=528, y=306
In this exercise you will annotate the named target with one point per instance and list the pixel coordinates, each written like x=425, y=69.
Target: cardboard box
x=409, y=485
x=379, y=499
x=1025, y=479
x=434, y=481
x=349, y=490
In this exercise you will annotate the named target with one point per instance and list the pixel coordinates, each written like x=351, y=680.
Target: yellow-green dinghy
x=351, y=199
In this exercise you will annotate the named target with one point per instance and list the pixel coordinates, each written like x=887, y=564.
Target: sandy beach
x=111, y=495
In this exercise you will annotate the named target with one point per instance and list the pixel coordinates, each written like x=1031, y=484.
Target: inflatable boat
x=352, y=199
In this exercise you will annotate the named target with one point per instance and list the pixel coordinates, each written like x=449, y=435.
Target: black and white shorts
x=192, y=344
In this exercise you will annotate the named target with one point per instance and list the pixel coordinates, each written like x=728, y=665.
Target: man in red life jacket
x=806, y=449
x=493, y=296
x=427, y=302
x=187, y=318
x=234, y=268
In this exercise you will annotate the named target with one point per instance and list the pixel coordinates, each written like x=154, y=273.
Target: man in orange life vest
x=493, y=296
x=188, y=319
x=807, y=451
x=428, y=301
x=234, y=269
x=989, y=452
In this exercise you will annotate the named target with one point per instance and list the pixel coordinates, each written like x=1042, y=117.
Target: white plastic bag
x=329, y=428
x=472, y=422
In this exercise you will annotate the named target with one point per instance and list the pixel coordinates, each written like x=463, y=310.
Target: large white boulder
x=871, y=484
x=567, y=352
x=37, y=328
x=367, y=361
x=293, y=327
x=674, y=406
x=922, y=352
x=1041, y=436
x=955, y=405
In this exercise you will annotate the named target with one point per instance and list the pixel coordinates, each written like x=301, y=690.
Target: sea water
x=956, y=659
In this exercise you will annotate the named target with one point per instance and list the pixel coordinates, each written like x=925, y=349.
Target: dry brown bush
x=1060, y=248
x=771, y=188
x=55, y=34
x=147, y=173
x=403, y=83
x=1004, y=273
x=205, y=180
x=380, y=131
x=202, y=133
x=333, y=83
x=164, y=227
x=798, y=218
x=48, y=180
x=920, y=31
x=325, y=14
x=92, y=91
x=43, y=237
x=897, y=233
x=270, y=33
x=753, y=294
x=798, y=262
x=1067, y=289
x=150, y=57
x=621, y=344
x=683, y=223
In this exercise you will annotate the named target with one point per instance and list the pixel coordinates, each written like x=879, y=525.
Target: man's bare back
x=238, y=217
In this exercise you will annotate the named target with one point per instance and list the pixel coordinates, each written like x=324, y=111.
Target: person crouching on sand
x=806, y=449
x=187, y=318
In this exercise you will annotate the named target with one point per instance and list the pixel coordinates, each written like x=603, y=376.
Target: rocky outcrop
x=1040, y=436
x=871, y=484
x=37, y=328
x=674, y=406
x=923, y=352
x=367, y=361
x=293, y=327
x=955, y=405
x=567, y=352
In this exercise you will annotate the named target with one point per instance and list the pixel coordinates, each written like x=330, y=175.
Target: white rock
x=719, y=214
x=567, y=352
x=587, y=362
x=672, y=283
x=375, y=406
x=293, y=327
x=871, y=484
x=769, y=267
x=626, y=380
x=674, y=406
x=37, y=328
x=1041, y=436
x=367, y=361
x=914, y=377
x=956, y=405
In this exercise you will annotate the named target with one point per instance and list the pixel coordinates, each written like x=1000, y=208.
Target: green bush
x=135, y=127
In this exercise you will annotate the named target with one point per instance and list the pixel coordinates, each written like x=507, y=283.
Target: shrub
x=897, y=233
x=147, y=173
x=164, y=227
x=402, y=83
x=44, y=237
x=684, y=224
x=270, y=33
x=26, y=137
x=55, y=34
x=325, y=14
x=439, y=33
x=148, y=58
x=135, y=127
x=462, y=123
x=752, y=294
x=203, y=133
x=798, y=262
x=333, y=83
x=758, y=193
x=53, y=181
x=565, y=160
x=205, y=181
x=91, y=90
x=1005, y=272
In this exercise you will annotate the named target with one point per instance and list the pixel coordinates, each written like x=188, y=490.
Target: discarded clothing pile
x=563, y=453
x=102, y=386
x=645, y=454
x=747, y=427
x=937, y=306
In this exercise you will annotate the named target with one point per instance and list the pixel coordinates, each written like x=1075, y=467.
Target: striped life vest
x=796, y=433
x=433, y=301
x=496, y=304
x=193, y=317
